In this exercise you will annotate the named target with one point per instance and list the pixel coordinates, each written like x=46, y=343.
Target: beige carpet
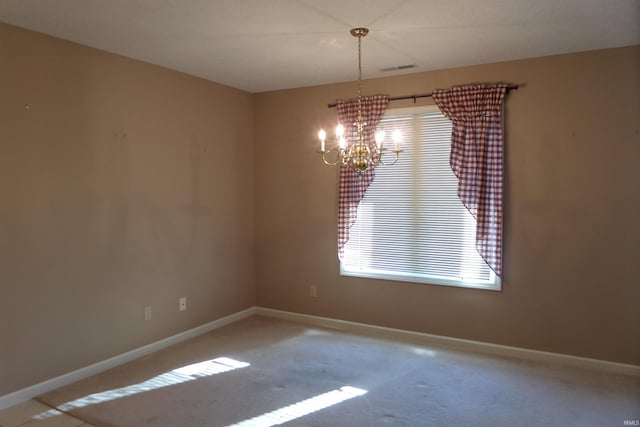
x=262, y=372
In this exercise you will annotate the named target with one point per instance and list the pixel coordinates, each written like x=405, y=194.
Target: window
x=411, y=225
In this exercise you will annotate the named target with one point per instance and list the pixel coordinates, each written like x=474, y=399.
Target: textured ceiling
x=262, y=45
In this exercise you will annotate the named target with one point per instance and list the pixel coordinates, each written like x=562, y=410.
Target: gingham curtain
x=353, y=185
x=477, y=159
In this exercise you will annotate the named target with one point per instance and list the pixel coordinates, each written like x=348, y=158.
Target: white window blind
x=411, y=225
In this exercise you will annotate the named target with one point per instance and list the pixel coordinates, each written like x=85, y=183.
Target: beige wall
x=123, y=185
x=571, y=268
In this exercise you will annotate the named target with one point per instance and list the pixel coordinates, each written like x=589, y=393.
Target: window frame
x=495, y=284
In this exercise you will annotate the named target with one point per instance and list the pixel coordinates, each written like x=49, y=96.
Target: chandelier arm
x=339, y=158
x=397, y=152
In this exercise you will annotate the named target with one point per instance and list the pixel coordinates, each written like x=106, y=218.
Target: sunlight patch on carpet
x=176, y=376
x=423, y=351
x=302, y=408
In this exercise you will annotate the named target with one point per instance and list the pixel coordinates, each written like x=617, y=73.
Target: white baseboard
x=456, y=343
x=68, y=378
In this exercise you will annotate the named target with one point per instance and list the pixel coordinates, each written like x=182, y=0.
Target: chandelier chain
x=360, y=120
x=359, y=66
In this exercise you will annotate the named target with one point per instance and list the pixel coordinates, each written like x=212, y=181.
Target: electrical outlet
x=147, y=313
x=182, y=304
x=313, y=291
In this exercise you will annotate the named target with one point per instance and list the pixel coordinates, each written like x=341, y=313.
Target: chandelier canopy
x=360, y=152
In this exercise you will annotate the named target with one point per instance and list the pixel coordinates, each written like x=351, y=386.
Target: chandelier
x=362, y=153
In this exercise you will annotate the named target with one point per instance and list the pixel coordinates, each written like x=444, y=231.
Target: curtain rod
x=422, y=95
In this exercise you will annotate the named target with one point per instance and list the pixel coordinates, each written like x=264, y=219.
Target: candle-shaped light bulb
x=397, y=137
x=339, y=131
x=323, y=136
x=379, y=138
x=342, y=143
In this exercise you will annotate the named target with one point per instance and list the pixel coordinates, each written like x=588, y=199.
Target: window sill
x=425, y=280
